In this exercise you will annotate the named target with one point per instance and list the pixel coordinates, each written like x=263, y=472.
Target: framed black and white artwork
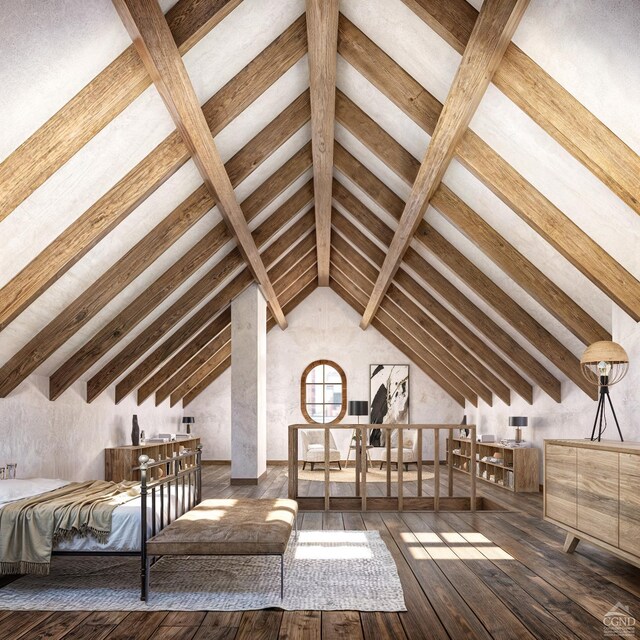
x=389, y=393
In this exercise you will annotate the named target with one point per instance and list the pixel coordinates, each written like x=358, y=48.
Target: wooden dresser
x=118, y=461
x=592, y=489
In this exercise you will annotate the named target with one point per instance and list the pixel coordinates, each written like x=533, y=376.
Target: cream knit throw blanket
x=30, y=528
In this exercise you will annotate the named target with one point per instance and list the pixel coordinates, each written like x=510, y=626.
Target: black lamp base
x=600, y=421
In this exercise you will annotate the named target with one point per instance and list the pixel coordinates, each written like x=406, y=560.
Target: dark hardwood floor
x=488, y=575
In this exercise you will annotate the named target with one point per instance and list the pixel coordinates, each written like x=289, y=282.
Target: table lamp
x=518, y=422
x=188, y=420
x=358, y=408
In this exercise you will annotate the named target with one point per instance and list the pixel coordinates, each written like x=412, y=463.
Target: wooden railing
x=401, y=502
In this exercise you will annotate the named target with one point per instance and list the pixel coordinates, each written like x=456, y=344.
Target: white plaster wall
x=66, y=439
x=323, y=326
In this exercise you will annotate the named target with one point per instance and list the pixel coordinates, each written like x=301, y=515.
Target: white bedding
x=125, y=524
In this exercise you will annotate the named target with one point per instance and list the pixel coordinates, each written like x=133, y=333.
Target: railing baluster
x=327, y=462
x=419, y=447
x=436, y=470
x=473, y=469
x=450, y=456
x=400, y=465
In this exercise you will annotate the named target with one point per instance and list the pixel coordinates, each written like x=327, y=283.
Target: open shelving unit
x=517, y=470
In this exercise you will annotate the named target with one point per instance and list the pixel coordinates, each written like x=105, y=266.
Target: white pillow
x=11, y=490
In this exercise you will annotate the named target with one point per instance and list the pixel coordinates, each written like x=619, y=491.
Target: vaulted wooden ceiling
x=333, y=219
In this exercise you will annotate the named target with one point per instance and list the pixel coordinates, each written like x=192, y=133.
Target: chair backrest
x=409, y=437
x=316, y=436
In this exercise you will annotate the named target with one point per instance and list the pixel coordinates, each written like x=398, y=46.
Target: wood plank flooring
x=487, y=575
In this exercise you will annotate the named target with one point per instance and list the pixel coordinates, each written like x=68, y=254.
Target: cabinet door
x=560, y=484
x=598, y=494
x=630, y=503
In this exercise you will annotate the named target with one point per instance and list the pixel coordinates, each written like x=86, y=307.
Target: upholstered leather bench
x=228, y=527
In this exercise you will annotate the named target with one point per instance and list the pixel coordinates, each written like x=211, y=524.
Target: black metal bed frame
x=175, y=474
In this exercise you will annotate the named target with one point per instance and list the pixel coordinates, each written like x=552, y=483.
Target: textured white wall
x=322, y=327
x=67, y=438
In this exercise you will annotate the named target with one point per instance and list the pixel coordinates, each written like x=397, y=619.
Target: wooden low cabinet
x=119, y=461
x=591, y=491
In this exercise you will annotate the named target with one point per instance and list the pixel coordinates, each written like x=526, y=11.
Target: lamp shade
x=188, y=420
x=604, y=359
x=358, y=408
x=518, y=421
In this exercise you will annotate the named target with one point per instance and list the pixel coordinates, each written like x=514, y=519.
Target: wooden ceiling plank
x=97, y=104
x=115, y=330
x=152, y=38
x=161, y=379
x=322, y=36
x=178, y=310
x=348, y=293
x=393, y=204
x=492, y=32
x=223, y=357
x=493, y=171
x=410, y=318
x=144, y=252
x=544, y=100
x=349, y=243
x=115, y=205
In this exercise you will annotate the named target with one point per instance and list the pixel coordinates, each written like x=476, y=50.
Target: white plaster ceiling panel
x=503, y=281
x=401, y=34
x=559, y=176
x=527, y=240
x=377, y=106
x=592, y=49
x=236, y=41
x=488, y=310
x=264, y=109
x=49, y=52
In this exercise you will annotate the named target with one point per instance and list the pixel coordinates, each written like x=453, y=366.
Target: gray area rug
x=324, y=570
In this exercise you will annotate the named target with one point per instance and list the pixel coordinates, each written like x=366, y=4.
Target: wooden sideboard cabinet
x=591, y=489
x=118, y=461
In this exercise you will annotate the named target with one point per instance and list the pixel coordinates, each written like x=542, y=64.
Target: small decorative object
x=135, y=432
x=464, y=433
x=604, y=364
x=1, y=473
x=486, y=437
x=11, y=470
x=142, y=437
x=518, y=422
x=188, y=420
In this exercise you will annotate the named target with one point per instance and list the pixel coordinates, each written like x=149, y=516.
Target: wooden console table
x=591, y=491
x=361, y=502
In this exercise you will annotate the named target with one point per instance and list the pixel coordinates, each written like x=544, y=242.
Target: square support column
x=248, y=387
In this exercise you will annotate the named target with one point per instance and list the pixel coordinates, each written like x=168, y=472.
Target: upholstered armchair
x=409, y=450
x=313, y=448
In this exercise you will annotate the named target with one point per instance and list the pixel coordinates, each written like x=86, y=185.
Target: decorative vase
x=135, y=432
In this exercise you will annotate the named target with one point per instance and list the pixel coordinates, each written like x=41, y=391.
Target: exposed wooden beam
x=491, y=34
x=506, y=183
x=347, y=274
x=97, y=104
x=357, y=300
x=143, y=253
x=447, y=319
x=176, y=312
x=152, y=38
x=516, y=316
x=388, y=200
x=115, y=205
x=203, y=356
x=162, y=379
x=545, y=101
x=115, y=330
x=350, y=242
x=322, y=35
x=225, y=357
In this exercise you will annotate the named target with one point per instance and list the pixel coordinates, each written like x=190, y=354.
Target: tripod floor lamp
x=604, y=364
